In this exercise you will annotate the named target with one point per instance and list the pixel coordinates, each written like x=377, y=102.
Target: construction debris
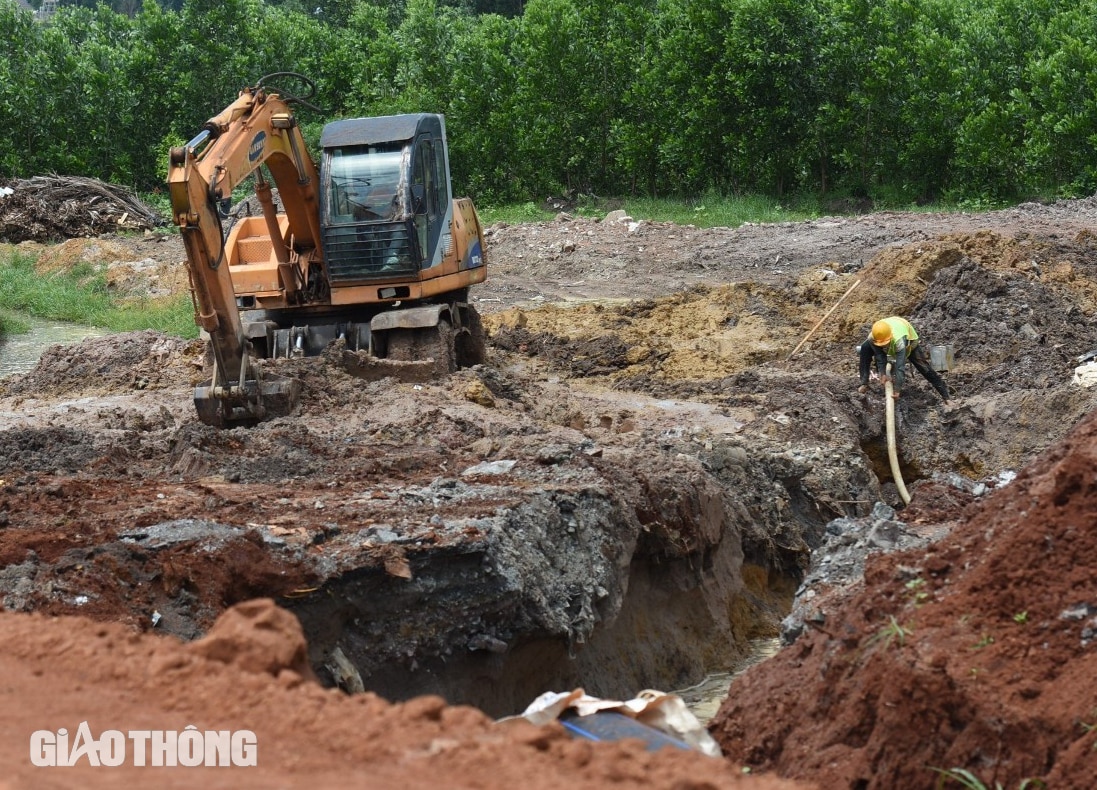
x=53, y=208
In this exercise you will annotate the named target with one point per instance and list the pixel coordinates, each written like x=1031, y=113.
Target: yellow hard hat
x=881, y=333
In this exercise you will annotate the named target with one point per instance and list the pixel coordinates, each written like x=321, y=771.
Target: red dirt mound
x=247, y=674
x=979, y=654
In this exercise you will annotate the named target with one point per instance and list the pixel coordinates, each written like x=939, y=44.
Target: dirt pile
x=975, y=653
x=64, y=671
x=130, y=361
x=53, y=208
x=1016, y=309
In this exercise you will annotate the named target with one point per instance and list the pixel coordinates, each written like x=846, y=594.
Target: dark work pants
x=916, y=356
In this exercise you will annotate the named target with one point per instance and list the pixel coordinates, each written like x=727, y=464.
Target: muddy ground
x=631, y=488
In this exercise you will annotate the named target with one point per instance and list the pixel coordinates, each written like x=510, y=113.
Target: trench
x=705, y=698
x=19, y=353
x=689, y=624
x=875, y=449
x=681, y=623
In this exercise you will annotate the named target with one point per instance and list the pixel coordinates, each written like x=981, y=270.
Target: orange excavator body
x=369, y=248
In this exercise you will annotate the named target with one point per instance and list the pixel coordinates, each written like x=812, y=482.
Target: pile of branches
x=54, y=208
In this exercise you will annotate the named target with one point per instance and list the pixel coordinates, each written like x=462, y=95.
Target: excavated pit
x=679, y=620
x=875, y=449
x=428, y=543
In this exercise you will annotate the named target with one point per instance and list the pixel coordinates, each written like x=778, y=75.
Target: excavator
x=369, y=248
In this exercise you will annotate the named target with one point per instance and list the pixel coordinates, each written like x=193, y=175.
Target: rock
x=839, y=561
x=344, y=673
x=483, y=447
x=884, y=535
x=554, y=454
x=478, y=393
x=490, y=468
x=488, y=643
x=257, y=636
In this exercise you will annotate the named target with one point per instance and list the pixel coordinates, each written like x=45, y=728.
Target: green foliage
x=713, y=210
x=480, y=116
x=159, y=200
x=11, y=324
x=916, y=587
x=81, y=296
x=985, y=640
x=890, y=633
x=514, y=213
x=553, y=133
x=897, y=101
x=1061, y=144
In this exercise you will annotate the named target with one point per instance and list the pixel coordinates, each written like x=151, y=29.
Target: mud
x=625, y=494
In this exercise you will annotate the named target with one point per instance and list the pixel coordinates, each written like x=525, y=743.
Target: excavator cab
x=383, y=197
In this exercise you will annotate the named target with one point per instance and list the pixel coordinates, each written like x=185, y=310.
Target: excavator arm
x=257, y=129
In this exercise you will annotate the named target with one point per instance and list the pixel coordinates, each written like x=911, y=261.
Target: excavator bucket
x=257, y=400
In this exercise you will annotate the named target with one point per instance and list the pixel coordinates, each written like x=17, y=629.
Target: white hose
x=893, y=456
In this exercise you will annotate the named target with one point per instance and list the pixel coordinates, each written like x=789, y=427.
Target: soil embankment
x=627, y=492
x=976, y=653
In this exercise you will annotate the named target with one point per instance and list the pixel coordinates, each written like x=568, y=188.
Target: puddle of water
x=705, y=699
x=20, y=353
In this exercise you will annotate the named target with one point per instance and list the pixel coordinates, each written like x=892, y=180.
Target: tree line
x=966, y=100
x=316, y=7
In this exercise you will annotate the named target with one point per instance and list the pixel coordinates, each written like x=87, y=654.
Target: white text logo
x=191, y=747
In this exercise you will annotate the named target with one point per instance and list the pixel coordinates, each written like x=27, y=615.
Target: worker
x=895, y=338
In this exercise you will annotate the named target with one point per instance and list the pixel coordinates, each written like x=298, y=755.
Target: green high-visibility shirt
x=903, y=340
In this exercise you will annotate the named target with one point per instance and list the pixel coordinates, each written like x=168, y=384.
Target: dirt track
x=629, y=490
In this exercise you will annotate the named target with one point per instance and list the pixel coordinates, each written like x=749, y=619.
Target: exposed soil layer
x=505, y=527
x=622, y=496
x=977, y=652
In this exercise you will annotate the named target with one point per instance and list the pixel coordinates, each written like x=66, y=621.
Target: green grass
x=158, y=200
x=891, y=632
x=11, y=324
x=715, y=211
x=81, y=296
x=706, y=212
x=711, y=210
x=514, y=214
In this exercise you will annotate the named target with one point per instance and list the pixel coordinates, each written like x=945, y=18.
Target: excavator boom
x=257, y=129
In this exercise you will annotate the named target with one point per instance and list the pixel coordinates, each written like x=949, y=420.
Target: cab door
x=428, y=162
